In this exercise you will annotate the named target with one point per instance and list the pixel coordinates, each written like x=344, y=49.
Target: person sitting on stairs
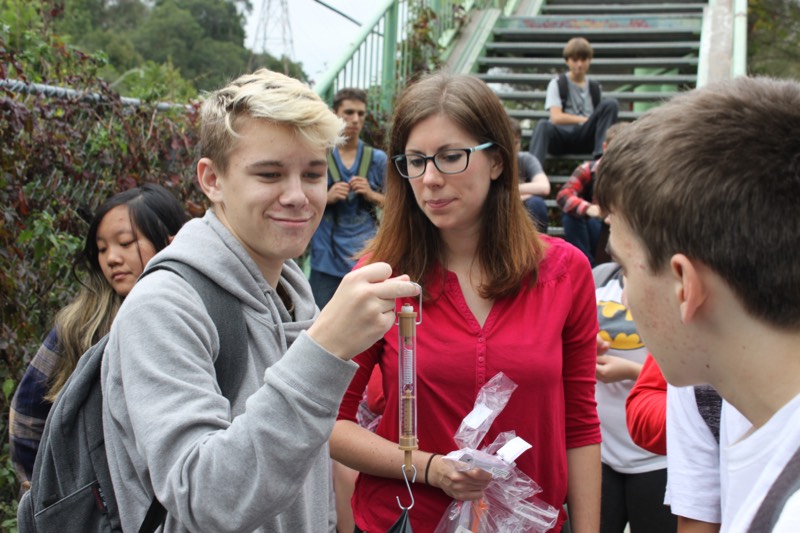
x=579, y=116
x=534, y=185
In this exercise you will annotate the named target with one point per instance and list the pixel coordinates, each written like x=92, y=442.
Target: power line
x=345, y=15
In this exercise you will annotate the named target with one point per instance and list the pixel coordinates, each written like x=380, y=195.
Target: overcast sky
x=319, y=36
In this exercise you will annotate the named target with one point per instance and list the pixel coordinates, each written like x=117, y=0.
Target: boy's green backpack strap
x=333, y=168
x=366, y=160
x=363, y=167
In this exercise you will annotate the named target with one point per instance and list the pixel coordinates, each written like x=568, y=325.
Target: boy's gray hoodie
x=257, y=463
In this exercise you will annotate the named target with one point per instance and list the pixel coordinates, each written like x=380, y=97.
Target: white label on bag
x=478, y=416
x=462, y=529
x=513, y=449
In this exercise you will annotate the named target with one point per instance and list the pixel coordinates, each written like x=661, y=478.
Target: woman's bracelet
x=428, y=466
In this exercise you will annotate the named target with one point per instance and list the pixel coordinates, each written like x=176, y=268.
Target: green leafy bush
x=60, y=158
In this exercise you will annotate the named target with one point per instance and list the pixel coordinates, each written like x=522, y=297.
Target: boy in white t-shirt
x=697, y=461
x=702, y=195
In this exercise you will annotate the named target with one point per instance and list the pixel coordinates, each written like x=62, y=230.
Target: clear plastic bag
x=509, y=504
x=492, y=399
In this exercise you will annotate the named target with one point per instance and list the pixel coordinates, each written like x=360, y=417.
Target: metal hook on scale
x=408, y=486
x=407, y=392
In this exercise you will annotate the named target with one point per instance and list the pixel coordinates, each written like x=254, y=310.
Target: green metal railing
x=379, y=59
x=739, y=63
x=368, y=62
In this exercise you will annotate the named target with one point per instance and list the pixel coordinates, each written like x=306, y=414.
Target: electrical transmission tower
x=274, y=31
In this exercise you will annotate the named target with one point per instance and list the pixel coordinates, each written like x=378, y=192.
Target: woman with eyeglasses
x=497, y=297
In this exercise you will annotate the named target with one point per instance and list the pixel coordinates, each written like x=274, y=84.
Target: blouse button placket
x=481, y=365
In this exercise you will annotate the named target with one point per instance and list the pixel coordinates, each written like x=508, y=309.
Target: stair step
x=615, y=9
x=557, y=180
x=562, y=35
x=601, y=50
x=622, y=96
x=624, y=2
x=597, y=64
x=599, y=28
x=578, y=158
x=626, y=35
x=537, y=114
x=607, y=80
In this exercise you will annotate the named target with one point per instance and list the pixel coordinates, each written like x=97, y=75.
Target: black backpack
x=563, y=91
x=71, y=486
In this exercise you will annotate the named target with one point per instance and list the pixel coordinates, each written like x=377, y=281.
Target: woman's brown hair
x=509, y=248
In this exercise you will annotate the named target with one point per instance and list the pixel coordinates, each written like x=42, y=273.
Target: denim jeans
x=549, y=138
x=583, y=233
x=537, y=209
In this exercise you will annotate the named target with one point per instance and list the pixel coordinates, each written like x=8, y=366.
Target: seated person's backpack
x=563, y=91
x=71, y=486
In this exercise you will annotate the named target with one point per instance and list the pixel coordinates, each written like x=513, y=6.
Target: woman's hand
x=463, y=486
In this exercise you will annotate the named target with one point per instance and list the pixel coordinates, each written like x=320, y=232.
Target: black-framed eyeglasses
x=450, y=161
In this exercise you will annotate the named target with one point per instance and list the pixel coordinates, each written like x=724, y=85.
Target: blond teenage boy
x=257, y=459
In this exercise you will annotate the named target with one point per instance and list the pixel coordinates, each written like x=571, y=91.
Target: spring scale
x=407, y=391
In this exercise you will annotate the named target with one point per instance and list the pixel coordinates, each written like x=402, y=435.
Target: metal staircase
x=645, y=51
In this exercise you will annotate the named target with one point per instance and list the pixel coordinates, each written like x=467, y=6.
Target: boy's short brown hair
x=348, y=93
x=578, y=48
x=614, y=130
x=714, y=174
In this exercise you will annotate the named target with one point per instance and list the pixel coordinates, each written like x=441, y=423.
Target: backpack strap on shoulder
x=784, y=487
x=366, y=160
x=155, y=517
x=228, y=317
x=594, y=92
x=363, y=166
x=333, y=168
x=226, y=313
x=72, y=451
x=563, y=90
x=367, y=152
x=593, y=168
